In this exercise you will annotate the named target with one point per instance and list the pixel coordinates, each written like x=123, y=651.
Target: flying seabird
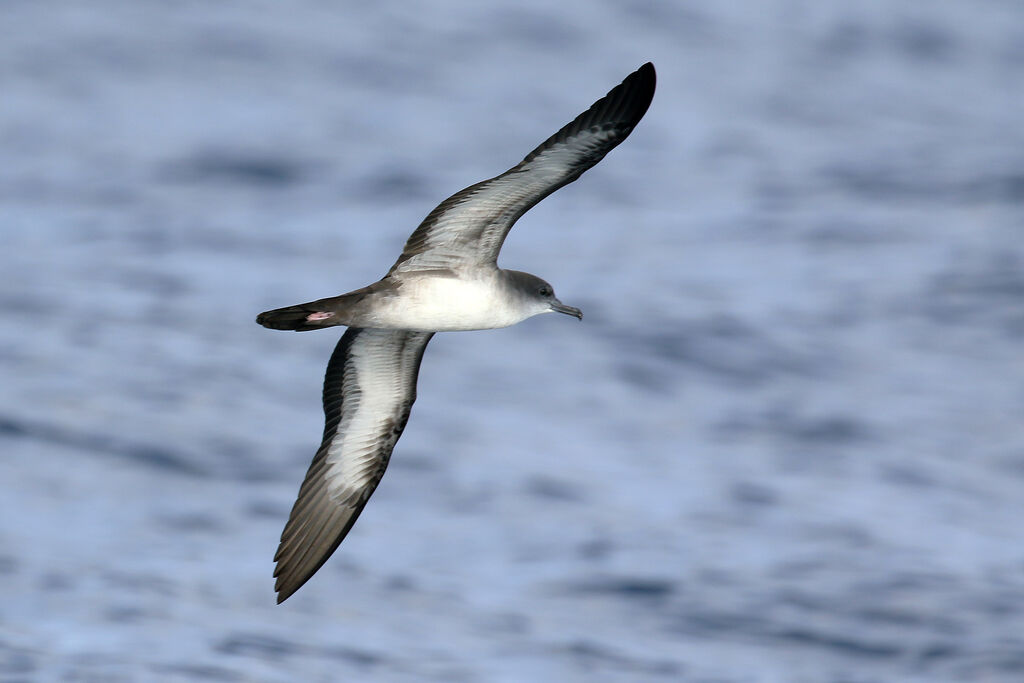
x=447, y=278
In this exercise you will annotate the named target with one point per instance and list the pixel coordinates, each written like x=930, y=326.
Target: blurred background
x=785, y=443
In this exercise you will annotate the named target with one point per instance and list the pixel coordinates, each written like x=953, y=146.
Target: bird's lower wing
x=369, y=390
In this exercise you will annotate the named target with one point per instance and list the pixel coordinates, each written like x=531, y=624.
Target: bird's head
x=540, y=295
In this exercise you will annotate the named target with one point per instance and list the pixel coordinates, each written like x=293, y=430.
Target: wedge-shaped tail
x=301, y=317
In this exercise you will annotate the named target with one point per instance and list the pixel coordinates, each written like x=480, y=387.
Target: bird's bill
x=559, y=307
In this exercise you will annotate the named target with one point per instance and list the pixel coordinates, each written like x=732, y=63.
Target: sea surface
x=785, y=444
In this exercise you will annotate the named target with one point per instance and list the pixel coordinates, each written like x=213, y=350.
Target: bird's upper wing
x=469, y=227
x=369, y=390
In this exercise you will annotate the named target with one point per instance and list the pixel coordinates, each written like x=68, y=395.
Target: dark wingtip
x=649, y=75
x=286, y=587
x=621, y=108
x=646, y=79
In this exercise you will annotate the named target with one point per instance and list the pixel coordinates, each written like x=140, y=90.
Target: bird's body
x=446, y=279
x=443, y=303
x=479, y=298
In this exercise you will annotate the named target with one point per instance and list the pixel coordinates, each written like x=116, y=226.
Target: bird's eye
x=545, y=291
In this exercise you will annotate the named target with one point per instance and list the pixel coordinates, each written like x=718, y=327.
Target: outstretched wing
x=469, y=227
x=369, y=390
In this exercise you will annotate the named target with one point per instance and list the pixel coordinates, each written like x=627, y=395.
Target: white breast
x=439, y=303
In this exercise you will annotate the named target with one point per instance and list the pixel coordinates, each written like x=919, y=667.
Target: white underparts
x=451, y=303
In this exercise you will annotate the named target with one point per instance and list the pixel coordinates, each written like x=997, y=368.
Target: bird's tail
x=301, y=317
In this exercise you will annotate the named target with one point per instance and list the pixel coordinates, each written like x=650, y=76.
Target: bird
x=446, y=279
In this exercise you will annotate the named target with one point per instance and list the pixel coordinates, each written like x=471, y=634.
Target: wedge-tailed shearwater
x=447, y=278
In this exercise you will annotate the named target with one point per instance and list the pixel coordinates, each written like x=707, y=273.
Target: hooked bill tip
x=559, y=307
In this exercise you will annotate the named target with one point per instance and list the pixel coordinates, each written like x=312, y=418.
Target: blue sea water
x=785, y=444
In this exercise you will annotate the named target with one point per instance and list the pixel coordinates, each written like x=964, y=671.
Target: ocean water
x=785, y=444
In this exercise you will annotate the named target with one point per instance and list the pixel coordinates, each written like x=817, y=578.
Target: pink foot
x=315, y=317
